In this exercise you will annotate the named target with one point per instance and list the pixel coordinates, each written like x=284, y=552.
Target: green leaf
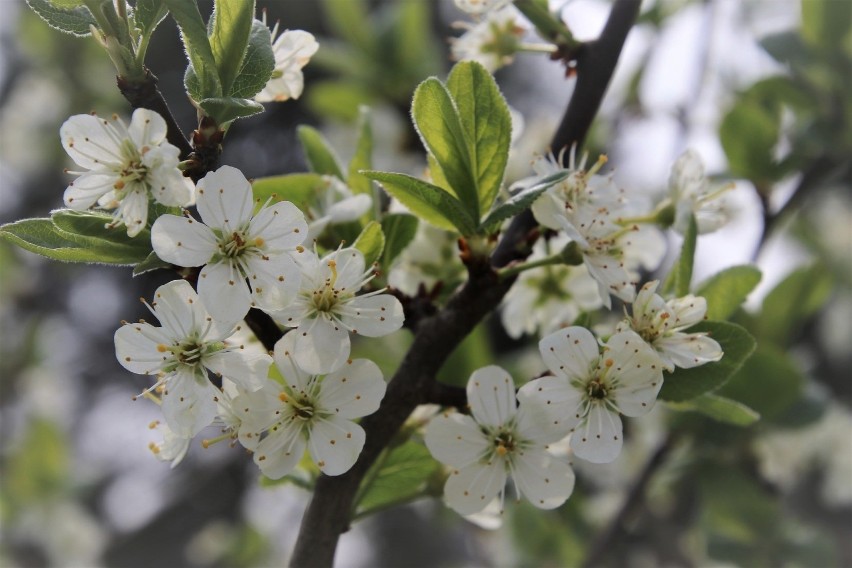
x=202, y=62
x=486, y=120
x=399, y=230
x=792, y=301
x=148, y=14
x=400, y=477
x=43, y=237
x=152, y=262
x=228, y=109
x=687, y=384
x=338, y=99
x=727, y=290
x=720, y=408
x=826, y=23
x=371, y=242
x=438, y=123
x=749, y=134
x=363, y=158
x=232, y=25
x=681, y=274
x=321, y=157
x=296, y=188
x=520, y=201
x=258, y=63
x=427, y=201
x=350, y=20
x=74, y=21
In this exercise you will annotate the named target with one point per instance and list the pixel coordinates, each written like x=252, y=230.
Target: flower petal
x=136, y=348
x=274, y=280
x=599, y=438
x=278, y=453
x=89, y=142
x=179, y=310
x=224, y=199
x=491, y=396
x=549, y=408
x=224, y=291
x=147, y=128
x=134, y=211
x=545, y=481
x=189, y=403
x=350, y=269
x=321, y=345
x=455, y=439
x=354, y=390
x=572, y=352
x=290, y=370
x=687, y=350
x=611, y=276
x=182, y=241
x=335, y=444
x=470, y=489
x=282, y=226
x=85, y=191
x=639, y=372
x=350, y=208
x=686, y=311
x=372, y=316
x=246, y=369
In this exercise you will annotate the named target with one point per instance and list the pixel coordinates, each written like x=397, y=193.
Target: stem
x=327, y=516
x=515, y=269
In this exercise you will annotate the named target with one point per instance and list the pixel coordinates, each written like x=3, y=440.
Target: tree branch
x=328, y=514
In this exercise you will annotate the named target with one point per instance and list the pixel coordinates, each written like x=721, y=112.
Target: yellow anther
x=118, y=185
x=300, y=248
x=333, y=266
x=259, y=242
x=283, y=397
x=154, y=424
x=155, y=449
x=501, y=450
x=162, y=348
x=609, y=362
x=205, y=444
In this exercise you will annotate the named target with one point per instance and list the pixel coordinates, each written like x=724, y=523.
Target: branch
x=264, y=328
x=327, y=516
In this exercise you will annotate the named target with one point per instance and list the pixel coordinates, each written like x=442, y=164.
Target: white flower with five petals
x=281, y=420
x=292, y=49
x=247, y=259
x=591, y=389
x=661, y=324
x=692, y=195
x=127, y=166
x=326, y=310
x=497, y=441
x=181, y=352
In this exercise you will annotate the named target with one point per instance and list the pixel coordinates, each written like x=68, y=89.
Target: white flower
x=493, y=41
x=308, y=411
x=591, y=389
x=480, y=6
x=660, y=322
x=549, y=297
x=127, y=165
x=173, y=448
x=235, y=246
x=180, y=353
x=293, y=49
x=431, y=257
x=326, y=310
x=332, y=204
x=497, y=441
x=691, y=194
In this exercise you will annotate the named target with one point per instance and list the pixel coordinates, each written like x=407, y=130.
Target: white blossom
x=660, y=323
x=281, y=420
x=498, y=440
x=493, y=41
x=326, y=310
x=247, y=259
x=691, y=194
x=173, y=448
x=591, y=389
x=126, y=166
x=292, y=49
x=334, y=203
x=181, y=352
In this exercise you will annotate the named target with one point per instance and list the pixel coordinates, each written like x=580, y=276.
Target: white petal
x=278, y=453
x=549, y=211
x=292, y=373
x=274, y=280
x=639, y=372
x=282, y=226
x=182, y=241
x=350, y=269
x=354, y=390
x=136, y=348
x=470, y=489
x=224, y=291
x=225, y=199
x=147, y=128
x=178, y=308
x=294, y=48
x=321, y=346
x=455, y=439
x=372, y=316
x=248, y=370
x=85, y=191
x=687, y=350
x=611, y=276
x=85, y=138
x=169, y=187
x=350, y=208
x=571, y=352
x=599, y=439
x=335, y=444
x=491, y=396
x=189, y=403
x=134, y=211
x=545, y=481
x=645, y=247
x=549, y=408
x=686, y=311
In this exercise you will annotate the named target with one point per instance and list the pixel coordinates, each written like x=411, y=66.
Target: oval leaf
x=232, y=24
x=371, y=242
x=720, y=408
x=399, y=230
x=258, y=63
x=74, y=21
x=727, y=290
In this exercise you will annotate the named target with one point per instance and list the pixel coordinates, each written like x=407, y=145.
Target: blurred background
x=761, y=89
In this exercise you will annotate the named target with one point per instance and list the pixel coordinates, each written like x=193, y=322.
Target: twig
x=327, y=516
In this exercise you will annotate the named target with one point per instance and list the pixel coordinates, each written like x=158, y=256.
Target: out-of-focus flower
x=691, y=194
x=334, y=203
x=493, y=41
x=293, y=49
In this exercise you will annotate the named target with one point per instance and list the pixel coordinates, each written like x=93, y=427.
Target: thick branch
x=327, y=516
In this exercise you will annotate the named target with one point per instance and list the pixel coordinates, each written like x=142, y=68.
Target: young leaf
x=148, y=14
x=228, y=109
x=321, y=157
x=74, y=21
x=258, y=63
x=198, y=50
x=296, y=188
x=427, y=201
x=399, y=230
x=400, y=477
x=686, y=384
x=350, y=20
x=363, y=158
x=486, y=120
x=521, y=201
x=232, y=24
x=439, y=125
x=371, y=242
x=727, y=290
x=681, y=275
x=90, y=224
x=719, y=408
x=152, y=262
x=798, y=296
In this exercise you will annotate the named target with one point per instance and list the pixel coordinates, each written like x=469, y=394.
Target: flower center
x=325, y=298
x=504, y=443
